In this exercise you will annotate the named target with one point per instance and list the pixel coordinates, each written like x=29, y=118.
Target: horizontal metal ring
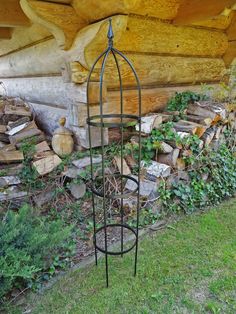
x=91, y=122
x=115, y=252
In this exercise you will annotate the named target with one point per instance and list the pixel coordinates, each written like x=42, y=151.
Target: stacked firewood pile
x=206, y=120
x=17, y=127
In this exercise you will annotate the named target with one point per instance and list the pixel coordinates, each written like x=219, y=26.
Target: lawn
x=190, y=267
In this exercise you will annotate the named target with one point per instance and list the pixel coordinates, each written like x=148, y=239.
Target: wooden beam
x=60, y=19
x=198, y=10
x=6, y=32
x=230, y=54
x=231, y=30
x=11, y=14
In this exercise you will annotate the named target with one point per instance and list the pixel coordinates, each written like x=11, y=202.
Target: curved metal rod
x=139, y=157
x=122, y=149
x=103, y=165
x=90, y=149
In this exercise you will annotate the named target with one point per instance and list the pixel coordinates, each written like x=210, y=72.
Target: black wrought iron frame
x=92, y=121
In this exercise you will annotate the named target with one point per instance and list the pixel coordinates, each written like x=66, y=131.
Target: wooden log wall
x=47, y=63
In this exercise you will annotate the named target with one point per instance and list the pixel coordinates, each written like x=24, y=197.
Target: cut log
x=197, y=129
x=197, y=109
x=11, y=170
x=199, y=119
x=9, y=157
x=208, y=136
x=12, y=194
x=19, y=111
x=24, y=135
x=34, y=140
x=185, y=126
x=165, y=148
x=218, y=132
x=130, y=161
x=148, y=123
x=8, y=148
x=12, y=125
x=17, y=129
x=169, y=159
x=9, y=180
x=47, y=165
x=42, y=155
x=3, y=128
x=126, y=170
x=42, y=147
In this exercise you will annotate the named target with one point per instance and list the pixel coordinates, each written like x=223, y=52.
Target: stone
x=146, y=187
x=82, y=136
x=156, y=170
x=84, y=162
x=73, y=172
x=43, y=198
x=78, y=190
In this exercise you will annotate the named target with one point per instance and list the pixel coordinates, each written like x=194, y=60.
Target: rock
x=73, y=172
x=43, y=198
x=156, y=170
x=146, y=187
x=84, y=162
x=82, y=136
x=78, y=190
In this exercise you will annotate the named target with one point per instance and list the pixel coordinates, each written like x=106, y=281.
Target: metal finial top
x=110, y=34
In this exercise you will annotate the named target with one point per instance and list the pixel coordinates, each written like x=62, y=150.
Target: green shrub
x=189, y=196
x=29, y=245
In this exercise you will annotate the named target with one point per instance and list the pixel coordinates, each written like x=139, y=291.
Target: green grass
x=188, y=268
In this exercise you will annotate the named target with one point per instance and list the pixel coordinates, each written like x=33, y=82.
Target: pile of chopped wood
x=17, y=125
x=205, y=119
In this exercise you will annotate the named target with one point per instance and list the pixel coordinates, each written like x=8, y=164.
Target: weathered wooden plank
x=197, y=10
